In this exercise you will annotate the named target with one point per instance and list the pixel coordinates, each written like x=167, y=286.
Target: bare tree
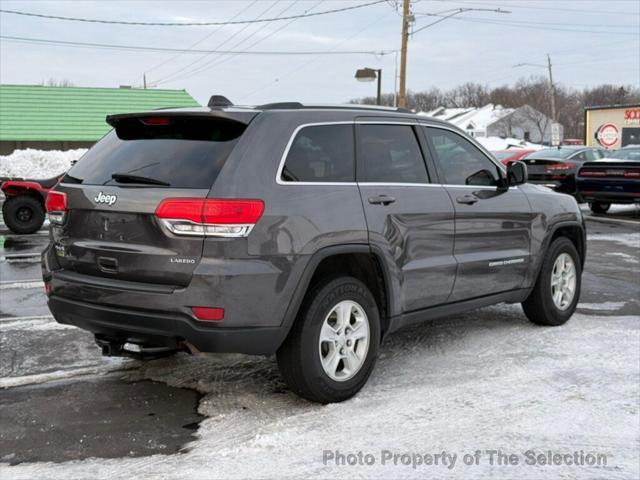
x=52, y=82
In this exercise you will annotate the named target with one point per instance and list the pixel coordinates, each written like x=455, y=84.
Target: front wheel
x=332, y=347
x=23, y=214
x=555, y=296
x=599, y=207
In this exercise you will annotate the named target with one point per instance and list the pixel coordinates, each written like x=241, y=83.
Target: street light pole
x=552, y=87
x=368, y=75
x=553, y=90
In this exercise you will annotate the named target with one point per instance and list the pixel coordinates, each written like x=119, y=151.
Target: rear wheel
x=332, y=347
x=599, y=207
x=23, y=214
x=555, y=295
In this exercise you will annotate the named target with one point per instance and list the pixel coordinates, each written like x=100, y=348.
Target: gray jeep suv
x=307, y=231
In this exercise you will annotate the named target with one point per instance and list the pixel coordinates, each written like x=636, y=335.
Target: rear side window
x=321, y=153
x=182, y=152
x=390, y=154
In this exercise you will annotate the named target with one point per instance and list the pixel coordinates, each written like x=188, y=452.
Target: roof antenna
x=219, y=101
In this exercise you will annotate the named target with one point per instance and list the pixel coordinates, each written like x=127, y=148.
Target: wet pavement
x=486, y=371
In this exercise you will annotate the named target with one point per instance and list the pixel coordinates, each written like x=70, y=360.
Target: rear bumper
x=149, y=327
x=610, y=191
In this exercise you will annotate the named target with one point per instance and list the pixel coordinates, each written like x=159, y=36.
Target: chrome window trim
x=391, y=121
x=279, y=180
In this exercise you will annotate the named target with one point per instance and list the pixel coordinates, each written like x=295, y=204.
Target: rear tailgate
x=110, y=228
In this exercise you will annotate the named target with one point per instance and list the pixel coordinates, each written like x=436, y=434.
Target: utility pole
x=402, y=93
x=553, y=90
x=144, y=80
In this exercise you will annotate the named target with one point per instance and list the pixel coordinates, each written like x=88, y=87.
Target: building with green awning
x=62, y=118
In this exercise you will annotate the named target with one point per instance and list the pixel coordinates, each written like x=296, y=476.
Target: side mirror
x=517, y=174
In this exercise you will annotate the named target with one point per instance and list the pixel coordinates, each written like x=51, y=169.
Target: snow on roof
x=495, y=144
x=476, y=118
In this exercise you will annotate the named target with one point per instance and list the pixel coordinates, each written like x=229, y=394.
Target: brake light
x=56, y=206
x=210, y=217
x=592, y=173
x=632, y=173
x=155, y=121
x=561, y=166
x=209, y=314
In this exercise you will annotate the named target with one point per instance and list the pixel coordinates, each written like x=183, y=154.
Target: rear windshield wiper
x=129, y=178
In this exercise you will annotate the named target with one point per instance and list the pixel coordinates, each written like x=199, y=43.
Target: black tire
x=23, y=214
x=539, y=307
x=299, y=356
x=599, y=207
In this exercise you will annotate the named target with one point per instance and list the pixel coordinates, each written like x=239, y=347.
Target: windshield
x=627, y=154
x=502, y=155
x=180, y=152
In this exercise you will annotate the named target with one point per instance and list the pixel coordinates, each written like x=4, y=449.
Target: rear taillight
x=210, y=217
x=632, y=173
x=560, y=166
x=56, y=205
x=592, y=173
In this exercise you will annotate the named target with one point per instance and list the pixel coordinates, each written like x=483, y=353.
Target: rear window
x=180, y=152
x=321, y=153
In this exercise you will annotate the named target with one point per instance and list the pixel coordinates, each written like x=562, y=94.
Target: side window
x=582, y=156
x=593, y=155
x=390, y=154
x=321, y=153
x=460, y=162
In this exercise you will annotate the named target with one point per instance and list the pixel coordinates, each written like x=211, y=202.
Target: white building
x=525, y=123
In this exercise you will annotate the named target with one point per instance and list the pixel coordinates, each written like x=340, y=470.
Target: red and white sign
x=632, y=116
x=608, y=135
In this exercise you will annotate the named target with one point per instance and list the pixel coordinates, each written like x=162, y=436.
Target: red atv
x=23, y=209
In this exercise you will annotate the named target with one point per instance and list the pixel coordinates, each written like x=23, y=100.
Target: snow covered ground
x=32, y=163
x=486, y=380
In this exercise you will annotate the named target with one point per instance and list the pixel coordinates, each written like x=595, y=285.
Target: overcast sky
x=590, y=42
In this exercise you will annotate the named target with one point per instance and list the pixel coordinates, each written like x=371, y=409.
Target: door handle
x=381, y=200
x=467, y=199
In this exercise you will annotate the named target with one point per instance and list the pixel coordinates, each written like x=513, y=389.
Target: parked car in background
x=556, y=167
x=511, y=155
x=23, y=209
x=615, y=179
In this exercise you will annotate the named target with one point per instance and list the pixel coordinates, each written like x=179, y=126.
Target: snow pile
x=498, y=143
x=32, y=163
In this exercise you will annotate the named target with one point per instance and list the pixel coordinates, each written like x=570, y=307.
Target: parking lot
x=483, y=381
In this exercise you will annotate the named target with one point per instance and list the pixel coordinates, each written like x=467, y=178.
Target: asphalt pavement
x=62, y=401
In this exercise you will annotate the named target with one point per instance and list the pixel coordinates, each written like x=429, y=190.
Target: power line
x=287, y=75
x=525, y=25
x=190, y=24
x=529, y=7
x=208, y=35
x=231, y=37
x=592, y=25
x=107, y=46
x=215, y=62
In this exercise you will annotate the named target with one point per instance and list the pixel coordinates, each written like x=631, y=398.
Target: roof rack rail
x=298, y=105
x=280, y=106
